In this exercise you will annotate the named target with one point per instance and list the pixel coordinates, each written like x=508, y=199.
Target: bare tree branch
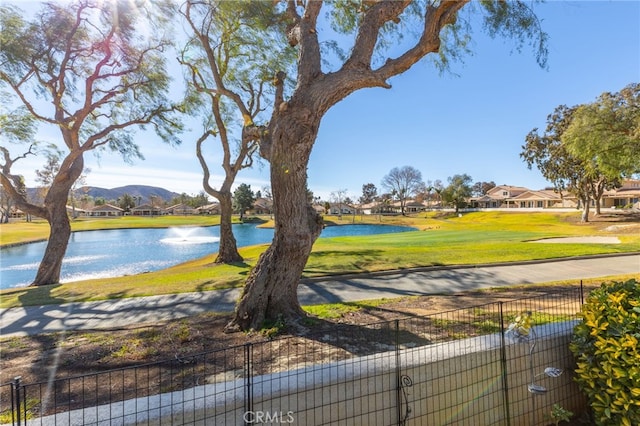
x=309, y=60
x=435, y=19
x=374, y=18
x=14, y=184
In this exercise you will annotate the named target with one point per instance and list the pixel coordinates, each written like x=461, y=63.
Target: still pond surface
x=119, y=252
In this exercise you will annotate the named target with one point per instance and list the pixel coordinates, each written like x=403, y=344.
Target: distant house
x=544, y=199
x=501, y=196
x=485, y=202
x=75, y=211
x=413, y=206
x=519, y=197
x=319, y=208
x=16, y=213
x=514, y=197
x=180, y=210
x=505, y=196
x=106, y=210
x=341, y=208
x=388, y=207
x=628, y=195
x=367, y=208
x=262, y=206
x=383, y=207
x=213, y=208
x=146, y=210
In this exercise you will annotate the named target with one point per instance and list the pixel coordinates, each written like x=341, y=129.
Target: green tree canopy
x=17, y=126
x=607, y=132
x=458, y=191
x=243, y=198
x=83, y=67
x=369, y=193
x=556, y=163
x=481, y=188
x=589, y=148
x=126, y=202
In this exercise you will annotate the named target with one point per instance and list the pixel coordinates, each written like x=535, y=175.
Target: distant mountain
x=144, y=191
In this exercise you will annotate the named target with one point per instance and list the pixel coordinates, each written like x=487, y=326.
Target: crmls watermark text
x=267, y=417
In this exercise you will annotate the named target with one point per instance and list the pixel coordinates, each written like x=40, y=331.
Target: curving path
x=421, y=281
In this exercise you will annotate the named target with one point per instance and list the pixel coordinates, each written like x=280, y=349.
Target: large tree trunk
x=586, y=205
x=598, y=192
x=55, y=205
x=271, y=289
x=228, y=249
x=60, y=231
x=270, y=293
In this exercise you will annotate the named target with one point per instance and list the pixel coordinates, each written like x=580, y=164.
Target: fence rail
x=453, y=367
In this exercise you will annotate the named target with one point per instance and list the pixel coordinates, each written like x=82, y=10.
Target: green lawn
x=473, y=238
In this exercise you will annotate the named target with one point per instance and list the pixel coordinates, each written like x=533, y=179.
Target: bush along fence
x=505, y=363
x=606, y=345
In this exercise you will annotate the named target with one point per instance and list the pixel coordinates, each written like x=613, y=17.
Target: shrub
x=605, y=345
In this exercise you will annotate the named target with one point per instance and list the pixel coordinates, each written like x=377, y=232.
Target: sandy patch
x=580, y=240
x=625, y=227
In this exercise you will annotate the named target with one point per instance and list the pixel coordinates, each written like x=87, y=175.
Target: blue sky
x=473, y=120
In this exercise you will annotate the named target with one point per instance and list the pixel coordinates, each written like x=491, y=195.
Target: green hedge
x=606, y=348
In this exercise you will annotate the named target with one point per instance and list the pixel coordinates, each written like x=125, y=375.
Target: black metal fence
x=449, y=368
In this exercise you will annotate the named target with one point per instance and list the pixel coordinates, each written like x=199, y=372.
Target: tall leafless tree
x=229, y=91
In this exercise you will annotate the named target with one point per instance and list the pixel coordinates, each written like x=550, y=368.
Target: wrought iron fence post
x=15, y=401
x=398, y=374
x=248, y=392
x=581, y=293
x=503, y=359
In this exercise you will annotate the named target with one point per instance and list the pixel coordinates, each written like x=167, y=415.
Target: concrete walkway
x=435, y=280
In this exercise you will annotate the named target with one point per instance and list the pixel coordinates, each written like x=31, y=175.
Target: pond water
x=119, y=252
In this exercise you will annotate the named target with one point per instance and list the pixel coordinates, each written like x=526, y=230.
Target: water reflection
x=189, y=236
x=120, y=252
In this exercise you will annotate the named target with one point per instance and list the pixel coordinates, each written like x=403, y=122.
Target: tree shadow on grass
x=33, y=303
x=34, y=312
x=378, y=313
x=397, y=283
x=35, y=295
x=320, y=261
x=620, y=216
x=398, y=329
x=315, y=342
x=213, y=285
x=331, y=253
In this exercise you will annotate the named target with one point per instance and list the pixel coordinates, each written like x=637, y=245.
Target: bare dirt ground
x=62, y=355
x=149, y=343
